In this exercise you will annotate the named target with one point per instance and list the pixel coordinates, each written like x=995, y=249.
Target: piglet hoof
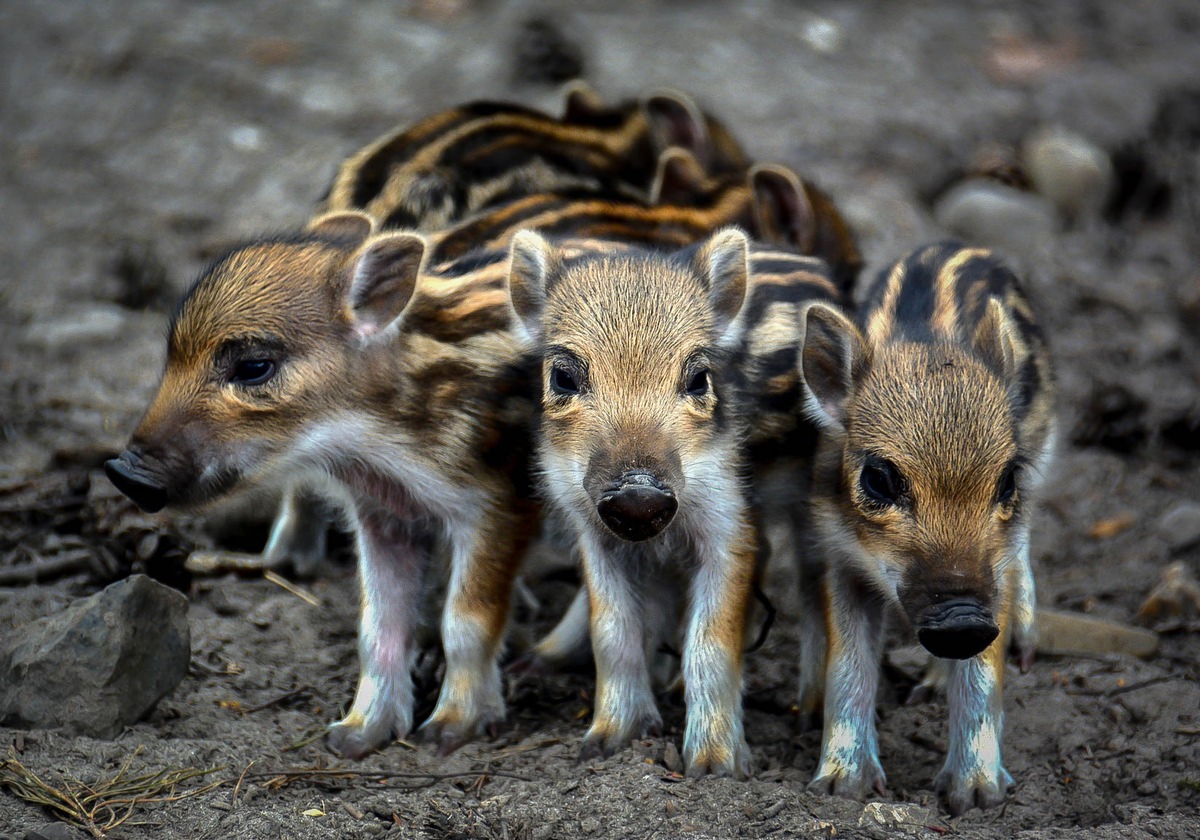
x=604, y=741
x=850, y=782
x=961, y=794
x=527, y=665
x=1024, y=655
x=719, y=762
x=449, y=736
x=354, y=741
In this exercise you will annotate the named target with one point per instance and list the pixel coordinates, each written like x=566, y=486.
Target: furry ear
x=384, y=277
x=782, y=209
x=833, y=357
x=676, y=120
x=997, y=343
x=724, y=263
x=678, y=178
x=581, y=103
x=343, y=224
x=531, y=266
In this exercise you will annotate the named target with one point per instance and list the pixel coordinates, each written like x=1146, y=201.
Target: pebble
x=1069, y=170
x=671, y=759
x=1180, y=525
x=898, y=820
x=996, y=215
x=78, y=329
x=100, y=664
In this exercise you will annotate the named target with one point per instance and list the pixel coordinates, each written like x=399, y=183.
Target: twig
x=283, y=698
x=283, y=583
x=60, y=564
x=317, y=775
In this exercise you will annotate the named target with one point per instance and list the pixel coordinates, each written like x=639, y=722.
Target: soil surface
x=142, y=137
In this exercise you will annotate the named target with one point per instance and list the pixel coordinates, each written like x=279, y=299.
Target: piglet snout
x=127, y=471
x=637, y=507
x=957, y=629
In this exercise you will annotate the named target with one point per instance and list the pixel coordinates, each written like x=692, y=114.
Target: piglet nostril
x=638, y=509
x=128, y=477
x=957, y=629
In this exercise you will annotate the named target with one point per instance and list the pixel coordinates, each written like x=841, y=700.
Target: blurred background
x=141, y=138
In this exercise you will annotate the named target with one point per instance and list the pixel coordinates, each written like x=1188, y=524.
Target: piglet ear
x=531, y=267
x=349, y=225
x=581, y=103
x=997, y=342
x=724, y=262
x=833, y=357
x=782, y=210
x=676, y=120
x=678, y=178
x=384, y=277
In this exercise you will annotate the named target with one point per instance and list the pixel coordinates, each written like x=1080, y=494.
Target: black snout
x=957, y=629
x=127, y=473
x=638, y=507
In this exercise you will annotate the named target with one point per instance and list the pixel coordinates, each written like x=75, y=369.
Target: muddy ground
x=140, y=137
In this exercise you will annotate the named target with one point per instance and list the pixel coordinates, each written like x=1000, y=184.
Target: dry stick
x=238, y=787
x=283, y=778
x=302, y=594
x=60, y=564
x=283, y=698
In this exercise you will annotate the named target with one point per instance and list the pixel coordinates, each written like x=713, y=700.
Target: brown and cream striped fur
x=656, y=367
x=483, y=154
x=937, y=427
x=332, y=356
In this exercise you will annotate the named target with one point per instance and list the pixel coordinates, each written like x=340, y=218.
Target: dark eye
x=1006, y=490
x=882, y=483
x=697, y=385
x=253, y=371
x=563, y=381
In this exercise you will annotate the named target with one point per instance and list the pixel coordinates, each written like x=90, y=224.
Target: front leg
x=714, y=740
x=1024, y=606
x=625, y=707
x=973, y=774
x=486, y=555
x=850, y=744
x=298, y=534
x=391, y=564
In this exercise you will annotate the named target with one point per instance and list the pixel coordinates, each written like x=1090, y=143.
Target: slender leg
x=714, y=740
x=298, y=535
x=625, y=707
x=850, y=744
x=391, y=569
x=1024, y=606
x=813, y=636
x=973, y=774
x=566, y=643
x=483, y=567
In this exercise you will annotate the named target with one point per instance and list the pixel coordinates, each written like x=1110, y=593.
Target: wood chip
x=1072, y=634
x=1105, y=529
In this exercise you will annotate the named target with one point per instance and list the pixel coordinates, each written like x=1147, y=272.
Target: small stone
x=78, y=330
x=671, y=758
x=100, y=664
x=1067, y=168
x=994, y=214
x=1180, y=525
x=896, y=819
x=54, y=831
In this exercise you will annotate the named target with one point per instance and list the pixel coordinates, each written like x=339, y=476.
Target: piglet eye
x=563, y=382
x=882, y=482
x=1006, y=489
x=253, y=371
x=698, y=384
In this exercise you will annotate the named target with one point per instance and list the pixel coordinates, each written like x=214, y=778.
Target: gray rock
x=79, y=330
x=100, y=664
x=1180, y=525
x=993, y=214
x=54, y=831
x=1067, y=168
x=891, y=819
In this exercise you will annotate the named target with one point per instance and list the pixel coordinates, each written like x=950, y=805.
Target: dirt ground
x=140, y=137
